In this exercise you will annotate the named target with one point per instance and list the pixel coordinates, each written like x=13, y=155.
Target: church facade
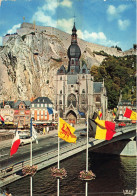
x=76, y=93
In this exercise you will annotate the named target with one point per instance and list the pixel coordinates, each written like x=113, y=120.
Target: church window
x=60, y=102
x=98, y=99
x=72, y=61
x=61, y=92
x=60, y=78
x=83, y=91
x=71, y=86
x=71, y=100
x=84, y=71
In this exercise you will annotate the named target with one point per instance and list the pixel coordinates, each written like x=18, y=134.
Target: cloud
x=66, y=3
x=13, y=29
x=49, y=6
x=65, y=24
x=45, y=14
x=123, y=24
x=46, y=20
x=115, y=12
x=98, y=38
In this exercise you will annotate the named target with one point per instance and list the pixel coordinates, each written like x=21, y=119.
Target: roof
x=42, y=100
x=97, y=86
x=10, y=103
x=84, y=67
x=61, y=70
x=27, y=103
x=125, y=103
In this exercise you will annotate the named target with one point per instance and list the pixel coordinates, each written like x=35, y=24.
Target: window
x=71, y=86
x=98, y=99
x=71, y=100
x=83, y=91
x=60, y=91
x=84, y=71
x=72, y=61
x=60, y=78
x=60, y=102
x=72, y=70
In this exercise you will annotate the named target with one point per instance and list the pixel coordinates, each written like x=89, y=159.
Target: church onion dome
x=74, y=51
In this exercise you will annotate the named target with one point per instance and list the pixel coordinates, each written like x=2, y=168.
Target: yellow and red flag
x=130, y=114
x=66, y=131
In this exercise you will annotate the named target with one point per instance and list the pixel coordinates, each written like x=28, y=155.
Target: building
x=22, y=113
x=39, y=110
x=75, y=89
x=7, y=111
x=122, y=105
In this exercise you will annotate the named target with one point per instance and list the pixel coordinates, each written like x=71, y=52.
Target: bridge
x=126, y=135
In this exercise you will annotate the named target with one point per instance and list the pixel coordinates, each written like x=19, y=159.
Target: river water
x=113, y=175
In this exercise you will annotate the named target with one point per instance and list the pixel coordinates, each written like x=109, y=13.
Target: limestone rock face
x=30, y=58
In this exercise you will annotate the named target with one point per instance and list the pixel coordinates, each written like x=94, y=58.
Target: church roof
x=61, y=70
x=84, y=70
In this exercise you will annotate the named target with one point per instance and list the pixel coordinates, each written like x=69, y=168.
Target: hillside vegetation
x=119, y=77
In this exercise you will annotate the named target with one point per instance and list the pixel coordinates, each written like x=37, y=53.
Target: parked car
x=25, y=139
x=121, y=124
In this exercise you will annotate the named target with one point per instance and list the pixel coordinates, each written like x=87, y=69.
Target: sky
x=105, y=22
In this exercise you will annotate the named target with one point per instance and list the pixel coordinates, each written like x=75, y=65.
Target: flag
x=34, y=134
x=98, y=132
x=15, y=144
x=66, y=131
x=50, y=110
x=103, y=123
x=100, y=114
x=81, y=113
x=2, y=120
x=130, y=114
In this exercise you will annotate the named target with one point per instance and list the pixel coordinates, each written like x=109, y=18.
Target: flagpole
x=58, y=159
x=31, y=156
x=86, y=193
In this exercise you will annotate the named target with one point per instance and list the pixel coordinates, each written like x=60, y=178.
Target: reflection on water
x=113, y=175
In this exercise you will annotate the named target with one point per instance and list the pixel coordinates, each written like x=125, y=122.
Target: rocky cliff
x=30, y=58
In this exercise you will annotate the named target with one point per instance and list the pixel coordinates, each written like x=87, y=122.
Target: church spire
x=74, y=34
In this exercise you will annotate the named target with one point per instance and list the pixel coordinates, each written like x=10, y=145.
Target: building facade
x=75, y=88
x=22, y=113
x=39, y=111
x=7, y=111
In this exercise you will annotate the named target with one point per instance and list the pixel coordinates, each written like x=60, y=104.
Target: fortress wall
x=27, y=28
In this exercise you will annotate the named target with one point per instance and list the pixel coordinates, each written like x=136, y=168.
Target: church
x=76, y=93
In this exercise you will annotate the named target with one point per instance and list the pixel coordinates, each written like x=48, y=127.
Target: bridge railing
x=13, y=169
x=5, y=172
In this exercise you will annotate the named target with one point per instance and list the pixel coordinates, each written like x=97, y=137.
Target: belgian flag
x=101, y=129
x=130, y=114
x=99, y=132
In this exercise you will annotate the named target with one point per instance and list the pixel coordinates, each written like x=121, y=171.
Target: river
x=113, y=175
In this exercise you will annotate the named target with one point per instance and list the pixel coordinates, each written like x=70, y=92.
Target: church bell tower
x=74, y=54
